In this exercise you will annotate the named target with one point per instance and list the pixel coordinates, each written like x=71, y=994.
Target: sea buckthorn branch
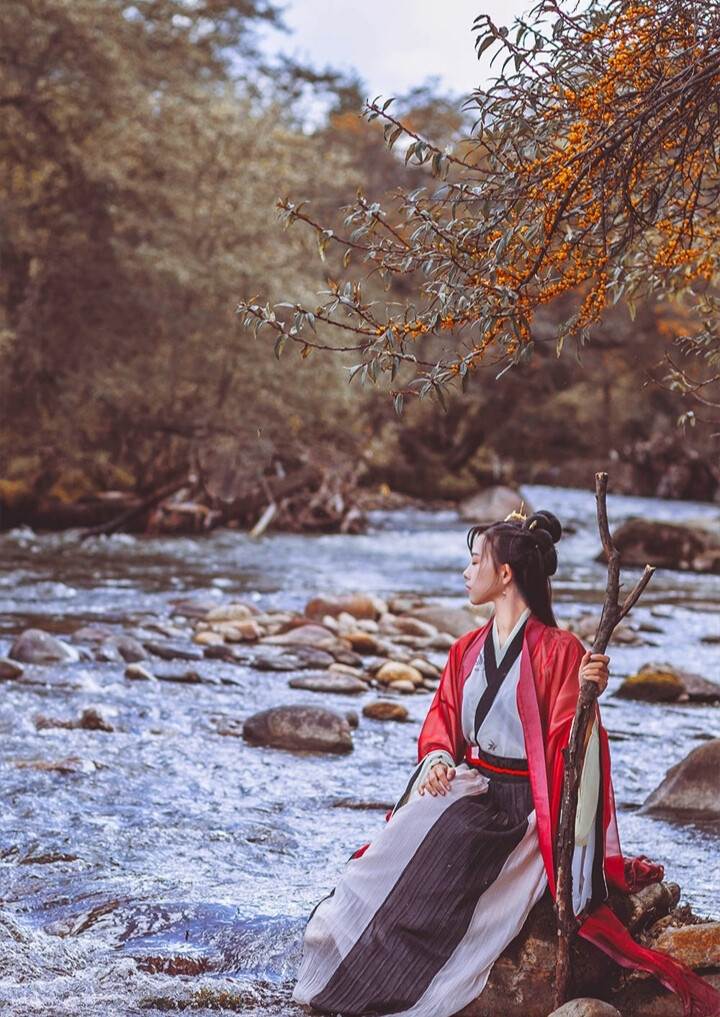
x=592, y=173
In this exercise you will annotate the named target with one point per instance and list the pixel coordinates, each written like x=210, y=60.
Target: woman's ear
x=506, y=573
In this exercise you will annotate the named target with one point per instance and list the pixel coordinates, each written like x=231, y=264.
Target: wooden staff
x=574, y=754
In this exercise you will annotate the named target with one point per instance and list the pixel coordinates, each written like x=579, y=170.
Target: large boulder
x=299, y=729
x=492, y=505
x=690, y=789
x=692, y=546
x=34, y=646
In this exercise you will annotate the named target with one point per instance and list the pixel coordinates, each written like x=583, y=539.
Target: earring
x=504, y=593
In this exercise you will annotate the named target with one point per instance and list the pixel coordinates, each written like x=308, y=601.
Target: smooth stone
x=405, y=686
x=382, y=710
x=405, y=603
x=295, y=658
x=9, y=669
x=131, y=650
x=92, y=719
x=181, y=677
x=586, y=1007
x=352, y=718
x=492, y=505
x=193, y=607
x=328, y=681
x=362, y=642
x=173, y=651
x=207, y=637
x=690, y=788
x=308, y=635
x=393, y=671
x=106, y=653
x=138, y=673
x=690, y=546
x=240, y=631
x=454, y=621
x=299, y=728
x=337, y=668
x=92, y=633
x=359, y=605
x=234, y=612
x=34, y=646
x=426, y=669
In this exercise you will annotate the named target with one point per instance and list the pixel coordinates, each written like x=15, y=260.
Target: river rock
x=138, y=673
x=9, y=669
x=287, y=658
x=173, y=651
x=404, y=625
x=329, y=681
x=130, y=650
x=208, y=637
x=362, y=642
x=405, y=603
x=383, y=710
x=192, y=607
x=240, y=631
x=405, y=686
x=586, y=1008
x=94, y=633
x=235, y=612
x=492, y=505
x=393, y=671
x=690, y=788
x=308, y=634
x=299, y=728
x=690, y=546
x=663, y=683
x=456, y=621
x=68, y=765
x=359, y=605
x=698, y=946
x=426, y=669
x=34, y=646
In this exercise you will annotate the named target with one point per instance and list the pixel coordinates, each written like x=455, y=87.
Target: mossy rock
x=652, y=687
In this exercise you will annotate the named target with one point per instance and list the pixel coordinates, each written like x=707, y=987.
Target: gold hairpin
x=516, y=516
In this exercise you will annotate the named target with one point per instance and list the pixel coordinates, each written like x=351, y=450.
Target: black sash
x=495, y=675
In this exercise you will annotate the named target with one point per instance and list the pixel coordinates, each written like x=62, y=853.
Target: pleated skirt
x=415, y=923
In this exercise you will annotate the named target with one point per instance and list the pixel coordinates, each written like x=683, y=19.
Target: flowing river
x=171, y=841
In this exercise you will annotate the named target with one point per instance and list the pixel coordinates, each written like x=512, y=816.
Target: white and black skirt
x=416, y=922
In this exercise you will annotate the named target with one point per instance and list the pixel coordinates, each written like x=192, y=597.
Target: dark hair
x=528, y=547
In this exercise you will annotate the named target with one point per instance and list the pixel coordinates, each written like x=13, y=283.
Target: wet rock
x=652, y=687
x=247, y=631
x=393, y=671
x=138, y=673
x=383, y=710
x=690, y=789
x=307, y=635
x=106, y=653
x=131, y=650
x=68, y=765
x=405, y=686
x=691, y=546
x=182, y=964
x=208, y=637
x=299, y=728
x=37, y=647
x=405, y=603
x=698, y=946
x=234, y=612
x=352, y=718
x=182, y=676
x=191, y=607
x=492, y=505
x=362, y=642
x=456, y=621
x=586, y=1008
x=359, y=605
x=337, y=668
x=92, y=634
x=659, y=683
x=173, y=651
x=295, y=658
x=426, y=669
x=9, y=669
x=329, y=681
x=90, y=720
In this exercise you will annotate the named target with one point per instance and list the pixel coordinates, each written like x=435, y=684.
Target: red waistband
x=474, y=757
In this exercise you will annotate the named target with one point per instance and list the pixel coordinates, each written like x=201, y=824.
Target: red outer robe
x=547, y=696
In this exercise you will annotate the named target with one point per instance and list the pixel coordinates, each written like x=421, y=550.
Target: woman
x=420, y=916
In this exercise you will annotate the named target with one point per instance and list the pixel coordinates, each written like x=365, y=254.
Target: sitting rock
x=329, y=681
x=663, y=683
x=299, y=729
x=698, y=946
x=691, y=546
x=690, y=788
x=359, y=605
x=383, y=710
x=492, y=505
x=37, y=647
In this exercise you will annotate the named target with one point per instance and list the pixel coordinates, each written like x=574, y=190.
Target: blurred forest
x=145, y=146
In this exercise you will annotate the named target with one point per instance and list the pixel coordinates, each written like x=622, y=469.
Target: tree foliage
x=592, y=174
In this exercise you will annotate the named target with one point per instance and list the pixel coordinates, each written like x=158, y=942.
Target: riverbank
x=168, y=838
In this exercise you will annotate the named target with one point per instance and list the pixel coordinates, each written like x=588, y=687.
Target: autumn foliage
x=591, y=174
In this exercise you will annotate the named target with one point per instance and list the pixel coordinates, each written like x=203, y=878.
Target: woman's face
x=482, y=579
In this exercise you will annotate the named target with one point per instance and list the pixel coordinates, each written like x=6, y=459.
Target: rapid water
x=175, y=842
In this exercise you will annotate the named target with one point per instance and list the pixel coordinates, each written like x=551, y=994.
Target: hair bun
x=544, y=522
x=546, y=530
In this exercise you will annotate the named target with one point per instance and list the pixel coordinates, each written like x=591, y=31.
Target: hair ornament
x=533, y=524
x=516, y=515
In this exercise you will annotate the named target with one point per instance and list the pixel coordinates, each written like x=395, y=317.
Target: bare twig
x=574, y=754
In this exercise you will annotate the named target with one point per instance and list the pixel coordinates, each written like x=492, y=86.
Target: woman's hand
x=594, y=668
x=438, y=779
